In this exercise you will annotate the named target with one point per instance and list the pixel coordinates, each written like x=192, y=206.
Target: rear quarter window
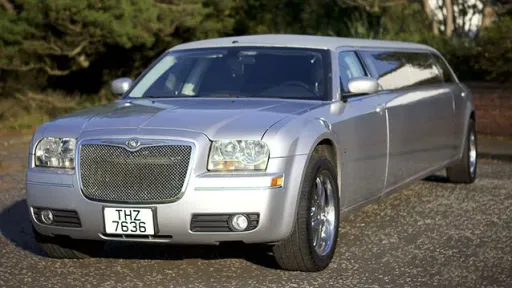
x=399, y=69
x=447, y=74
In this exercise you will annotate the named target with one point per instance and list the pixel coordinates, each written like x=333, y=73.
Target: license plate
x=129, y=221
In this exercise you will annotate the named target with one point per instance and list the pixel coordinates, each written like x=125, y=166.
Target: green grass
x=25, y=111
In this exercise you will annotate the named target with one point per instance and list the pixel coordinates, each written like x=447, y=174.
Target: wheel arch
x=468, y=114
x=328, y=141
x=330, y=144
x=300, y=137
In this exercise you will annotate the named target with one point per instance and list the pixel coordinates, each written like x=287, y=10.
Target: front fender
x=300, y=137
x=297, y=137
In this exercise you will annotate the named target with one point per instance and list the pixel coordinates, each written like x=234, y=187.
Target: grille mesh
x=149, y=174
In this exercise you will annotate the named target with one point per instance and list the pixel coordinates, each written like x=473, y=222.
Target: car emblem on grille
x=133, y=143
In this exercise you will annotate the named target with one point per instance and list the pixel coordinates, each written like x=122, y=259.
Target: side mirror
x=363, y=85
x=121, y=85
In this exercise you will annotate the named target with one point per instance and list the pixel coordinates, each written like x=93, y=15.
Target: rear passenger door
x=419, y=113
x=459, y=102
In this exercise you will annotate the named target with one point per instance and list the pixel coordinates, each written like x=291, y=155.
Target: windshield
x=259, y=72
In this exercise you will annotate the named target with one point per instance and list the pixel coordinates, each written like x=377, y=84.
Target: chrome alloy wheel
x=323, y=214
x=472, y=153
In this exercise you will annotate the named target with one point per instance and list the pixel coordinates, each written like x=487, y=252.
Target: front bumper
x=206, y=193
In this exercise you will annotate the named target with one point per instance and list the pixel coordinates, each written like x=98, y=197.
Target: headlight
x=238, y=155
x=56, y=153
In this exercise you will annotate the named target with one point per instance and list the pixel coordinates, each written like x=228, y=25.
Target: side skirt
x=346, y=212
x=419, y=176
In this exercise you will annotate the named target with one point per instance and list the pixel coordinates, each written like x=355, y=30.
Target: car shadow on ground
x=15, y=226
x=437, y=179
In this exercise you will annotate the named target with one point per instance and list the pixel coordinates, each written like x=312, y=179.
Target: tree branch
x=169, y=30
x=164, y=5
x=396, y=2
x=54, y=72
x=50, y=71
x=371, y=5
x=19, y=68
x=78, y=49
x=57, y=51
x=63, y=26
x=430, y=15
x=8, y=6
x=449, y=18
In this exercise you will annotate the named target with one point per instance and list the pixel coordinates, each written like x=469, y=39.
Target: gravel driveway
x=430, y=234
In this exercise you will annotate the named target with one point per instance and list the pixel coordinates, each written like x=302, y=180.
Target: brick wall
x=493, y=106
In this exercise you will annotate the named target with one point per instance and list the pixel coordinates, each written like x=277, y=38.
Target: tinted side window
x=389, y=67
x=349, y=67
x=422, y=69
x=397, y=70
x=447, y=74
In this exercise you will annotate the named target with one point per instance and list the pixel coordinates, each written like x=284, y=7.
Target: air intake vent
x=61, y=218
x=220, y=222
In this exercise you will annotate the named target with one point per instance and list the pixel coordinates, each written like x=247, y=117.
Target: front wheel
x=312, y=244
x=465, y=170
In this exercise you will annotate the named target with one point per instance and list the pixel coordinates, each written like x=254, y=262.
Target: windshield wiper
x=213, y=95
x=159, y=96
x=222, y=95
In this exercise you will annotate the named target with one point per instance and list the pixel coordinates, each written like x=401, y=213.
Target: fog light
x=47, y=216
x=239, y=222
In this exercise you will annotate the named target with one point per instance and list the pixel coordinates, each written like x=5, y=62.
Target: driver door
x=362, y=132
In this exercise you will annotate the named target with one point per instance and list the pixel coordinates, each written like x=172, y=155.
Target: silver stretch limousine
x=256, y=139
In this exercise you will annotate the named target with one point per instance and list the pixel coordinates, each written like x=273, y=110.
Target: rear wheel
x=312, y=244
x=465, y=170
x=67, y=248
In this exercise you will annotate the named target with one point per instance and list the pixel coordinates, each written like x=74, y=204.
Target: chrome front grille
x=150, y=174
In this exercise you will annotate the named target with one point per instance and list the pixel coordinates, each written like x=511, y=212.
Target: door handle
x=380, y=108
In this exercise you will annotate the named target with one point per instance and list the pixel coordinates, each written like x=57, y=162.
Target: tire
x=297, y=252
x=67, y=248
x=461, y=172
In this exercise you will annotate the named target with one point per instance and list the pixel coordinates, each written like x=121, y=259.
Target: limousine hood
x=216, y=118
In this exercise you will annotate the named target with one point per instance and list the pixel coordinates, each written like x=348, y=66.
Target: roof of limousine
x=289, y=40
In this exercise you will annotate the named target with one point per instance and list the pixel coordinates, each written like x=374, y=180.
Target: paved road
x=430, y=234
